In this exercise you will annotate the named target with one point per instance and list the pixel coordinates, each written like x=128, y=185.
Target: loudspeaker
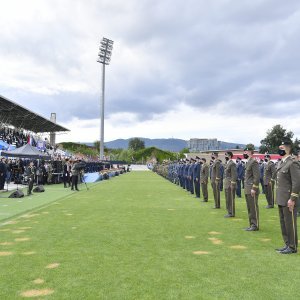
x=16, y=194
x=39, y=189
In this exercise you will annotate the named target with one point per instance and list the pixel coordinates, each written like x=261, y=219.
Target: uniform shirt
x=196, y=171
x=215, y=170
x=204, y=173
x=252, y=176
x=269, y=172
x=288, y=181
x=230, y=174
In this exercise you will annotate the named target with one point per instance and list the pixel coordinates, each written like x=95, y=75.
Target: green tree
x=97, y=145
x=136, y=144
x=274, y=137
x=296, y=146
x=250, y=146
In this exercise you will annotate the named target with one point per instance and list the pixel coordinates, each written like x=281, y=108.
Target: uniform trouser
x=180, y=180
x=230, y=200
x=221, y=184
x=204, y=191
x=44, y=178
x=183, y=182
x=74, y=182
x=187, y=184
x=239, y=188
x=253, y=211
x=191, y=181
x=197, y=188
x=269, y=192
x=262, y=185
x=288, y=226
x=216, y=191
x=2, y=181
x=66, y=180
x=30, y=185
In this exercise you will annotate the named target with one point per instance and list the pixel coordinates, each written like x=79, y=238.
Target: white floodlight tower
x=104, y=54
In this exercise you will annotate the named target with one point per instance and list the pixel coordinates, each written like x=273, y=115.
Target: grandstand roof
x=18, y=116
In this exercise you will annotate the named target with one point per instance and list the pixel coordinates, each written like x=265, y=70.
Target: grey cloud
x=203, y=53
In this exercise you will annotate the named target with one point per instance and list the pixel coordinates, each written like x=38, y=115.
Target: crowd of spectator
x=50, y=171
x=13, y=137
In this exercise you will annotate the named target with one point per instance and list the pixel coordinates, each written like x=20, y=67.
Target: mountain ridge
x=168, y=144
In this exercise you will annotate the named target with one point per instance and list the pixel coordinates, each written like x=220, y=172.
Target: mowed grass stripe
x=126, y=239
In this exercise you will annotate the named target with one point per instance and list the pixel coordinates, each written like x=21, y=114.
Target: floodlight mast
x=104, y=55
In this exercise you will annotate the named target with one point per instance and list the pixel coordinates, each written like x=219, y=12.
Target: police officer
x=240, y=175
x=222, y=170
x=287, y=194
x=204, y=173
x=30, y=172
x=215, y=179
x=262, y=170
x=230, y=184
x=190, y=176
x=196, y=176
x=268, y=179
x=252, y=178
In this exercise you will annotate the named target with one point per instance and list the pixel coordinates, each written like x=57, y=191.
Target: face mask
x=227, y=158
x=246, y=156
x=266, y=160
x=237, y=161
x=213, y=158
x=281, y=152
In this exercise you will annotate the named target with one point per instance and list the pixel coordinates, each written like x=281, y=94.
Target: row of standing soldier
x=193, y=175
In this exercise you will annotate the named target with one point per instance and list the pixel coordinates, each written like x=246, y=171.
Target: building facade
x=198, y=145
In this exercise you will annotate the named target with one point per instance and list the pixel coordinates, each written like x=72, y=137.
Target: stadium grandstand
x=18, y=116
x=22, y=140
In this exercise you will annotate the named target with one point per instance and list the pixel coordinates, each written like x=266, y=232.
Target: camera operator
x=30, y=172
x=75, y=172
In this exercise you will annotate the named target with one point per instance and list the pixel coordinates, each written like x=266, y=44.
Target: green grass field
x=134, y=237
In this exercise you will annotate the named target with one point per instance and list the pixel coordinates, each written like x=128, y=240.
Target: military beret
x=249, y=149
x=197, y=157
x=286, y=142
x=229, y=153
x=215, y=153
x=267, y=156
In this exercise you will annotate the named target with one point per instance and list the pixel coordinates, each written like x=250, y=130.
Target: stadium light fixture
x=104, y=56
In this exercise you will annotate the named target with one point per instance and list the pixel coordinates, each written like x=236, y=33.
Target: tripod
x=82, y=179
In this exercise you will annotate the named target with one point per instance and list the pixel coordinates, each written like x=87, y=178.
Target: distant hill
x=226, y=145
x=174, y=145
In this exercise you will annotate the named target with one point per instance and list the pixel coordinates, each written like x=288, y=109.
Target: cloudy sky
x=226, y=69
